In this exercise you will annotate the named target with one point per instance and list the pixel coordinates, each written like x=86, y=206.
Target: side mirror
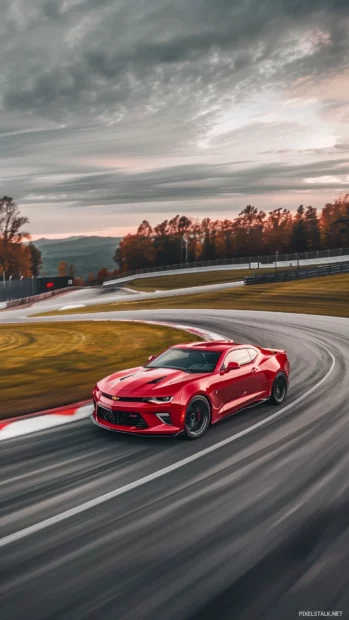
x=232, y=366
x=151, y=358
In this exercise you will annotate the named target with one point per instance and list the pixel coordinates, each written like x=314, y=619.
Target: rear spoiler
x=273, y=351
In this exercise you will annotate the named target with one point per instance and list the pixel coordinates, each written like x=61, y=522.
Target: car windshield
x=188, y=360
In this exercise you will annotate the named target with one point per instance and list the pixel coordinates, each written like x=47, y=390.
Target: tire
x=197, y=417
x=279, y=390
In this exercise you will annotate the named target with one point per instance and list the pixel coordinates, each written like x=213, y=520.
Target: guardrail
x=12, y=303
x=298, y=274
x=257, y=261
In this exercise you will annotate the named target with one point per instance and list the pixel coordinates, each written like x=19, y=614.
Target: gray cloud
x=191, y=182
x=101, y=99
x=111, y=53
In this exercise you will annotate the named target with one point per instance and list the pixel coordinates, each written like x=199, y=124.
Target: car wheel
x=197, y=417
x=279, y=391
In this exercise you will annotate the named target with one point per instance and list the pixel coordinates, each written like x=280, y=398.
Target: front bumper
x=146, y=421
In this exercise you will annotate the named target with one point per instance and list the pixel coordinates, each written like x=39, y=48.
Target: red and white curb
x=34, y=422
x=15, y=427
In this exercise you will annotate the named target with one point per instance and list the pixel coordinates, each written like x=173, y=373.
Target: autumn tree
x=312, y=229
x=193, y=240
x=62, y=268
x=248, y=231
x=208, y=251
x=78, y=281
x=18, y=264
x=225, y=240
x=170, y=238
x=11, y=235
x=299, y=232
x=91, y=279
x=277, y=231
x=135, y=252
x=334, y=223
x=102, y=275
x=144, y=229
x=35, y=259
x=342, y=224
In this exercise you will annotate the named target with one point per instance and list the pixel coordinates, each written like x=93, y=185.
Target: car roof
x=215, y=345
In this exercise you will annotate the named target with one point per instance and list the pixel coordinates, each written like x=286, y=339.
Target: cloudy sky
x=112, y=111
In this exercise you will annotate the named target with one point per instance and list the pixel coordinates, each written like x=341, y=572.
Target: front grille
x=121, y=418
x=126, y=399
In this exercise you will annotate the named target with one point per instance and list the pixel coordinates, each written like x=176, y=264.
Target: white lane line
x=42, y=525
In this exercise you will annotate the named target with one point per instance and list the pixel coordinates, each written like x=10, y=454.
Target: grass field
x=328, y=295
x=54, y=364
x=185, y=280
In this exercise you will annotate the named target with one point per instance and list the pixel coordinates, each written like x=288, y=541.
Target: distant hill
x=87, y=254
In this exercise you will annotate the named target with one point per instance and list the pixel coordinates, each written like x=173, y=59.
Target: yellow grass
x=201, y=278
x=51, y=364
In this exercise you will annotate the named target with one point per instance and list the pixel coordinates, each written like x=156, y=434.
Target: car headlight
x=159, y=400
x=96, y=392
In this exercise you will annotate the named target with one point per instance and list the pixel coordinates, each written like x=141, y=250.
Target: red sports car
x=190, y=386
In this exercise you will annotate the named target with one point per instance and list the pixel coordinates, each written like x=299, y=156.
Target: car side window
x=240, y=355
x=253, y=354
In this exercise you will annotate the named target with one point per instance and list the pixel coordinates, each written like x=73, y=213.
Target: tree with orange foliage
x=299, y=242
x=278, y=231
x=225, y=242
x=102, y=275
x=62, y=268
x=35, y=259
x=312, y=229
x=248, y=231
x=78, y=281
x=334, y=223
x=135, y=252
x=13, y=256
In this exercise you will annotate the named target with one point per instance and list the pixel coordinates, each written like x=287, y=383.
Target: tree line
x=252, y=233
x=183, y=239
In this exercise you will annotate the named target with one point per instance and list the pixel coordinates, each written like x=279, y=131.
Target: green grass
x=328, y=295
x=186, y=280
x=52, y=364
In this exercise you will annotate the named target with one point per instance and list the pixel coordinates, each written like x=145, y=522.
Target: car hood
x=145, y=382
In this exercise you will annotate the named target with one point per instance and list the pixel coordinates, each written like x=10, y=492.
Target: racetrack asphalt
x=255, y=528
